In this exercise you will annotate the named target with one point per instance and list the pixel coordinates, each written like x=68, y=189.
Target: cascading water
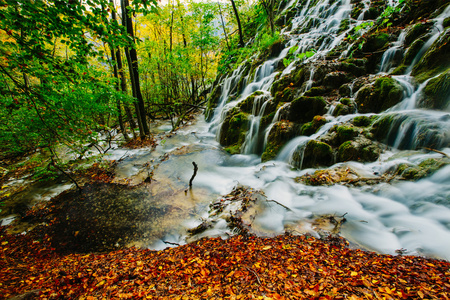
x=380, y=217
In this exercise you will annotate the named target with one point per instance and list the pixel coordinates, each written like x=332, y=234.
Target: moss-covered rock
x=424, y=169
x=361, y=149
x=312, y=127
x=316, y=91
x=437, y=93
x=336, y=79
x=362, y=121
x=304, y=109
x=234, y=128
x=376, y=42
x=213, y=100
x=286, y=95
x=436, y=60
x=417, y=31
x=315, y=154
x=280, y=133
x=246, y=105
x=345, y=133
x=346, y=106
x=385, y=93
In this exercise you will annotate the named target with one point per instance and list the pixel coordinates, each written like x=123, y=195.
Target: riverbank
x=284, y=267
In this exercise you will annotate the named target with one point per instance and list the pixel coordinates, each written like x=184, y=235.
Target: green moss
x=312, y=127
x=362, y=121
x=437, y=92
x=347, y=151
x=346, y=133
x=234, y=128
x=247, y=104
x=416, y=32
x=375, y=42
x=234, y=149
x=316, y=91
x=344, y=25
x=316, y=154
x=385, y=93
x=287, y=95
x=436, y=60
x=412, y=51
x=446, y=22
x=280, y=133
x=304, y=109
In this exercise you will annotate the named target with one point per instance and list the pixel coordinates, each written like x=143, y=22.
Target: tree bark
x=131, y=55
x=241, y=39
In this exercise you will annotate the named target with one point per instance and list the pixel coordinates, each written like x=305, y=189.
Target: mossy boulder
x=312, y=127
x=286, y=95
x=417, y=31
x=246, y=105
x=385, y=93
x=234, y=128
x=213, y=100
x=336, y=79
x=360, y=149
x=280, y=133
x=376, y=42
x=436, y=60
x=356, y=67
x=345, y=133
x=437, y=93
x=424, y=169
x=316, y=91
x=314, y=154
x=304, y=109
x=362, y=121
x=344, y=107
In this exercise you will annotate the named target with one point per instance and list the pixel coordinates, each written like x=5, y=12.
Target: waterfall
x=390, y=54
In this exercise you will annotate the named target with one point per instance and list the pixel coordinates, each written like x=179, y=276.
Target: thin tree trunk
x=223, y=26
x=116, y=75
x=241, y=39
x=131, y=55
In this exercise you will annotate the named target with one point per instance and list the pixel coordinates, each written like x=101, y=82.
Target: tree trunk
x=241, y=39
x=116, y=75
x=131, y=55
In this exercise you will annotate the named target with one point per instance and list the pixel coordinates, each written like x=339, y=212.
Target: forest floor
x=284, y=267
x=37, y=265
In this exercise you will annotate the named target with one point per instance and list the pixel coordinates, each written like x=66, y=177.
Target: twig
x=170, y=243
x=279, y=204
x=193, y=175
x=437, y=151
x=257, y=277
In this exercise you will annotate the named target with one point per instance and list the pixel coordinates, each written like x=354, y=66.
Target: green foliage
x=55, y=86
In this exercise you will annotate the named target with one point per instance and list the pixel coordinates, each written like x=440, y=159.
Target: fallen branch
x=279, y=204
x=437, y=151
x=193, y=175
x=257, y=277
x=170, y=243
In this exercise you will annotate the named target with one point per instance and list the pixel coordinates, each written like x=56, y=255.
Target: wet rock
x=376, y=42
x=417, y=31
x=362, y=121
x=304, y=109
x=424, y=169
x=385, y=93
x=247, y=104
x=233, y=128
x=437, y=93
x=213, y=101
x=316, y=91
x=286, y=95
x=279, y=135
x=436, y=60
x=360, y=149
x=345, y=133
x=345, y=106
x=312, y=127
x=336, y=79
x=315, y=154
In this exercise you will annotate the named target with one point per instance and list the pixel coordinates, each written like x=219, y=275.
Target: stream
x=410, y=216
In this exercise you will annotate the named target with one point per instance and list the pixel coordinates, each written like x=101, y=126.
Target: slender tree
x=131, y=55
x=238, y=20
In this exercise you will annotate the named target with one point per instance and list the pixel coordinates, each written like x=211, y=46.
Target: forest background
x=73, y=71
